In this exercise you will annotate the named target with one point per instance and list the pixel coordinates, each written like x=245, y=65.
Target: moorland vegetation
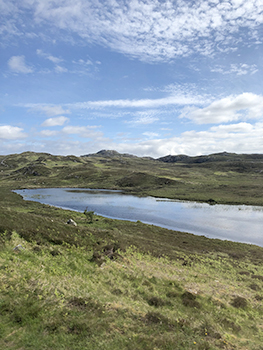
x=109, y=284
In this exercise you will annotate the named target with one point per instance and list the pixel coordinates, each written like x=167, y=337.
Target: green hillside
x=110, y=284
x=224, y=177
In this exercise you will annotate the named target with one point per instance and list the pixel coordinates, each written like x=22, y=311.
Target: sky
x=145, y=77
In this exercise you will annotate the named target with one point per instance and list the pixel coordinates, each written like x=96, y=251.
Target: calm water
x=237, y=223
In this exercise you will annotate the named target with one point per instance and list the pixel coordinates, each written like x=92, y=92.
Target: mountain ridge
x=180, y=157
x=223, y=178
x=169, y=158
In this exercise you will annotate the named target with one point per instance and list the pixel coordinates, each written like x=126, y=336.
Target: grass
x=110, y=284
x=65, y=301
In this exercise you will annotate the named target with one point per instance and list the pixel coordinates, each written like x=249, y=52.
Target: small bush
x=156, y=301
x=37, y=249
x=246, y=273
x=172, y=294
x=259, y=277
x=55, y=253
x=254, y=286
x=156, y=318
x=227, y=323
x=85, y=304
x=89, y=215
x=239, y=302
x=189, y=299
x=117, y=291
x=79, y=328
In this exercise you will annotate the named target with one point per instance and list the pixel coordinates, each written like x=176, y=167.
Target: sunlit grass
x=137, y=298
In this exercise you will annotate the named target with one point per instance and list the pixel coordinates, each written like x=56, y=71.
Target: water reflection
x=238, y=223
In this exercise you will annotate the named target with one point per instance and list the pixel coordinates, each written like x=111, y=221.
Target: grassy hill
x=224, y=177
x=111, y=284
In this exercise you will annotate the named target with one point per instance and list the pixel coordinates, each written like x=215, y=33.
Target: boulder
x=71, y=222
x=18, y=248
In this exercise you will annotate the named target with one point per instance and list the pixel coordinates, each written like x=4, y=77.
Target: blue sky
x=146, y=77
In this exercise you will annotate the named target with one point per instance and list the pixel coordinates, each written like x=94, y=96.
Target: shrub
x=239, y=302
x=189, y=299
x=89, y=215
x=156, y=301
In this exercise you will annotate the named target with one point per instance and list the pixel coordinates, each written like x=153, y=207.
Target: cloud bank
x=239, y=138
x=229, y=130
x=149, y=30
x=232, y=108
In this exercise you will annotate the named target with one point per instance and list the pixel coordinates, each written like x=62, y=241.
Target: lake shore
x=236, y=223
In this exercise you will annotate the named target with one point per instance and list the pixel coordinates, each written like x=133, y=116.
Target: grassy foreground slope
x=121, y=285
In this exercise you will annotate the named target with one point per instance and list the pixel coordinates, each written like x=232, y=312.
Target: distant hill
x=216, y=157
x=113, y=154
x=183, y=158
x=216, y=178
x=179, y=158
x=108, y=154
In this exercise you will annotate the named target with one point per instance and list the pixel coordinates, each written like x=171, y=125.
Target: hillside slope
x=217, y=178
x=109, y=284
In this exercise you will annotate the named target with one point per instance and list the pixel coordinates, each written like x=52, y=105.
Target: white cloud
x=8, y=12
x=238, y=69
x=6, y=7
x=60, y=69
x=83, y=131
x=83, y=63
x=49, y=110
x=54, y=59
x=237, y=138
x=48, y=133
x=49, y=57
x=232, y=128
x=144, y=118
x=9, y=132
x=150, y=135
x=153, y=30
x=243, y=69
x=17, y=64
x=55, y=121
x=232, y=108
x=141, y=103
